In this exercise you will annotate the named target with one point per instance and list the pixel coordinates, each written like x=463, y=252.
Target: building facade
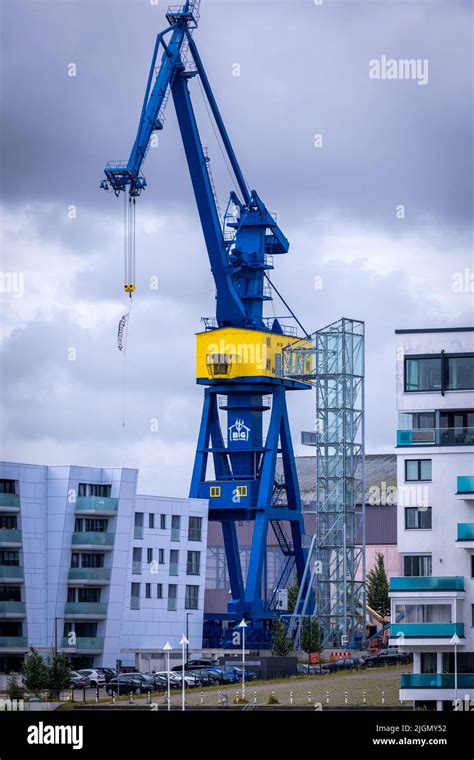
x=433, y=600
x=92, y=569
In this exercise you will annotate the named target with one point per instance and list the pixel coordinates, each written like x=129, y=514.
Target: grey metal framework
x=333, y=587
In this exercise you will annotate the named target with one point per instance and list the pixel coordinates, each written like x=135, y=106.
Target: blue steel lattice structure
x=244, y=425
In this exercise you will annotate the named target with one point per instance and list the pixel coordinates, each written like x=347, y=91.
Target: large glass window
x=172, y=596
x=194, y=528
x=8, y=522
x=191, y=597
x=10, y=594
x=193, y=563
x=417, y=565
x=9, y=558
x=423, y=374
x=7, y=486
x=418, y=518
x=95, y=489
x=428, y=662
x=417, y=469
x=423, y=613
x=460, y=372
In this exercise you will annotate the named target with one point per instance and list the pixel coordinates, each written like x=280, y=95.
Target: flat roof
x=435, y=330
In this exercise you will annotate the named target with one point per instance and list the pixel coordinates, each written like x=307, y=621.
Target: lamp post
x=187, y=635
x=454, y=642
x=243, y=626
x=56, y=635
x=184, y=643
x=167, y=648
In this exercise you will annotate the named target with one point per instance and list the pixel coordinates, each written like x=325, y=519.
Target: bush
x=14, y=690
x=273, y=700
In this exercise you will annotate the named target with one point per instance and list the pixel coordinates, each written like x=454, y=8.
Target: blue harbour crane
x=244, y=423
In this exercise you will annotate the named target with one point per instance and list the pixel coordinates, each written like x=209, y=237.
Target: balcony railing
x=172, y=605
x=10, y=571
x=194, y=535
x=174, y=568
x=453, y=583
x=138, y=531
x=12, y=608
x=135, y=603
x=92, y=538
x=175, y=534
x=436, y=681
x=83, y=642
x=465, y=531
x=85, y=608
x=137, y=567
x=96, y=504
x=10, y=536
x=89, y=573
x=460, y=436
x=13, y=642
x=465, y=484
x=426, y=630
x=9, y=500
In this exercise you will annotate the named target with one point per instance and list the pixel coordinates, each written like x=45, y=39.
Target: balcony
x=436, y=437
x=12, y=609
x=466, y=536
x=87, y=644
x=436, y=681
x=11, y=572
x=10, y=501
x=92, y=539
x=94, y=575
x=96, y=505
x=426, y=630
x=13, y=642
x=465, y=486
x=85, y=609
x=10, y=537
x=453, y=583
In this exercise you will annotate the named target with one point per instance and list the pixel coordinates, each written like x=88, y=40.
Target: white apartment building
x=433, y=600
x=89, y=567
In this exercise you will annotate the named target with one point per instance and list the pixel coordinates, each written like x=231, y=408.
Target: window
x=472, y=566
x=151, y=520
x=10, y=594
x=417, y=565
x=88, y=594
x=191, y=598
x=194, y=528
x=135, y=590
x=175, y=527
x=90, y=525
x=82, y=630
x=193, y=563
x=89, y=560
x=172, y=597
x=8, y=522
x=214, y=491
x=459, y=372
x=423, y=613
x=174, y=562
x=159, y=591
x=95, y=489
x=417, y=469
x=9, y=558
x=135, y=596
x=138, y=520
x=241, y=490
x=422, y=373
x=149, y=555
x=161, y=556
x=148, y=590
x=428, y=662
x=163, y=522
x=7, y=486
x=472, y=615
x=137, y=554
x=418, y=518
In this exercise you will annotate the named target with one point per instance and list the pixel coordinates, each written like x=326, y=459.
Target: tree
x=35, y=672
x=377, y=587
x=14, y=690
x=59, y=673
x=281, y=642
x=310, y=638
x=292, y=597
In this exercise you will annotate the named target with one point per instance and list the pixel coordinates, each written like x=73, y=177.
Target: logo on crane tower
x=239, y=431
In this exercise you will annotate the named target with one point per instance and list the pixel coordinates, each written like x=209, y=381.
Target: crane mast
x=244, y=423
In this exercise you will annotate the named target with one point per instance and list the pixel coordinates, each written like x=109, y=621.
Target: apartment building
x=433, y=600
x=92, y=569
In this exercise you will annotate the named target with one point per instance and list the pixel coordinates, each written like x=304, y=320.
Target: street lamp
x=184, y=643
x=187, y=635
x=167, y=648
x=243, y=625
x=56, y=635
x=454, y=642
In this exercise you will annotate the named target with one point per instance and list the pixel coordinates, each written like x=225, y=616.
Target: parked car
x=176, y=680
x=250, y=675
x=108, y=673
x=226, y=675
x=93, y=677
x=77, y=680
x=209, y=674
x=307, y=670
x=196, y=665
x=125, y=683
x=386, y=657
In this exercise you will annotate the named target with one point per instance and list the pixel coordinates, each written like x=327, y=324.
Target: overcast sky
x=304, y=71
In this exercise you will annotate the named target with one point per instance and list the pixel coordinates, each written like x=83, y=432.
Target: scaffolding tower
x=333, y=586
